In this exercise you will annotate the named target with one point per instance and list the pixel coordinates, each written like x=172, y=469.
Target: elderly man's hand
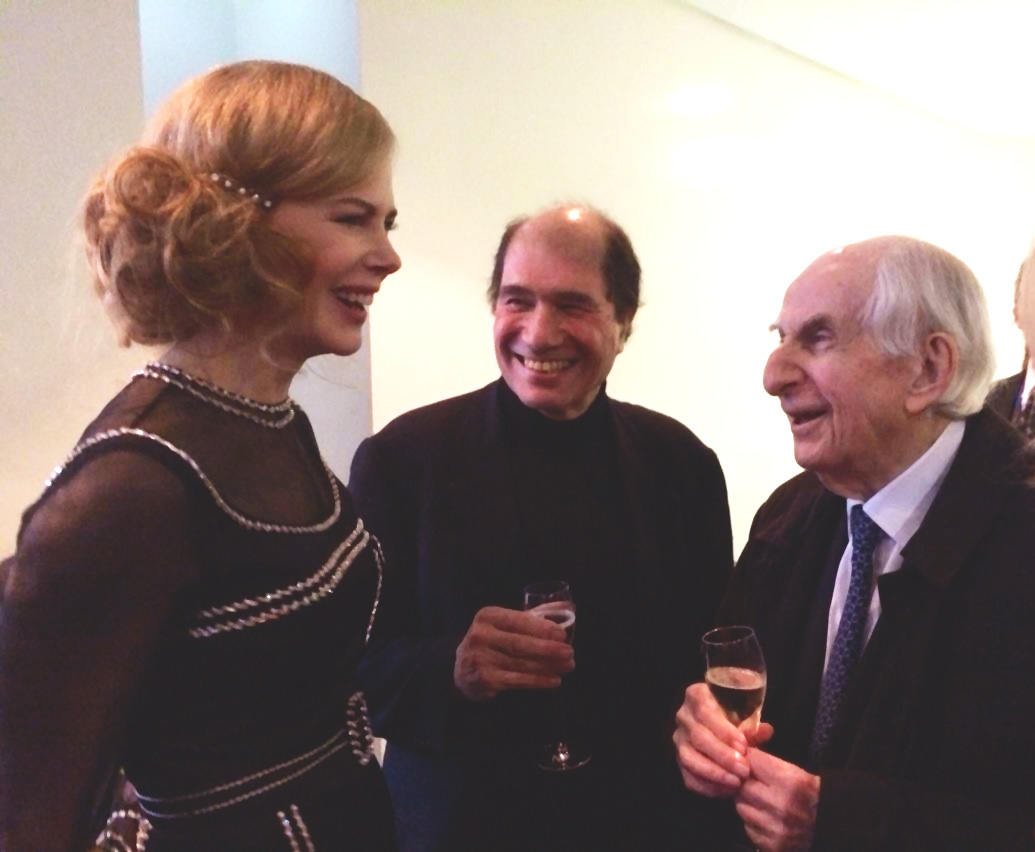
x=709, y=748
x=778, y=804
x=508, y=649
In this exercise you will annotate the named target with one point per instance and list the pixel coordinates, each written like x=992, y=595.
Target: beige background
x=69, y=98
x=731, y=162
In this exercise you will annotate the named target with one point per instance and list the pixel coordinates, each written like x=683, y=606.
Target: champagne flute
x=551, y=599
x=735, y=672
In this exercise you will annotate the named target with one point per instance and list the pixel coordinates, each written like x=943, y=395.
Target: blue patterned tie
x=848, y=643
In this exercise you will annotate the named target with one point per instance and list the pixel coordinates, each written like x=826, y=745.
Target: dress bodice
x=251, y=685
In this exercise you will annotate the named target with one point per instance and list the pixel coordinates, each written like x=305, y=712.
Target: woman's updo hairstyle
x=174, y=250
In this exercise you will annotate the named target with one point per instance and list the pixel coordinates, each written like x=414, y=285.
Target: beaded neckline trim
x=258, y=412
x=248, y=523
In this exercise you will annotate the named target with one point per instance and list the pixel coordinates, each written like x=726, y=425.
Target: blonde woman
x=193, y=589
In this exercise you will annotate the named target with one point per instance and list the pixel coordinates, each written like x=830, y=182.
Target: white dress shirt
x=1029, y=384
x=898, y=509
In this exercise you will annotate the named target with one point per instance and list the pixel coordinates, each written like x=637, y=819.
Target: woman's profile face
x=346, y=239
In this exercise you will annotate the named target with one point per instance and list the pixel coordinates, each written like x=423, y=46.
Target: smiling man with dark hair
x=542, y=476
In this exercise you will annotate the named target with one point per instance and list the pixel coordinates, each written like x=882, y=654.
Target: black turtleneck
x=567, y=489
x=571, y=522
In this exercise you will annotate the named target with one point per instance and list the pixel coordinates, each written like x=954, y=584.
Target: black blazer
x=434, y=486
x=938, y=747
x=1002, y=398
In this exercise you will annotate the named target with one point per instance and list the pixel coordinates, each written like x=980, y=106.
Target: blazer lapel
x=481, y=507
x=646, y=497
x=1002, y=399
x=793, y=631
x=803, y=693
x=655, y=539
x=882, y=707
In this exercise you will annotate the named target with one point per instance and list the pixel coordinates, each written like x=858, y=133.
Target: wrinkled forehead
x=836, y=284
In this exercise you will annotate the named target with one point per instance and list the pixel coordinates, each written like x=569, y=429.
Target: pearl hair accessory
x=230, y=185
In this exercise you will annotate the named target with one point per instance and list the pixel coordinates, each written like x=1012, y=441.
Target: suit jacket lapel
x=483, y=508
x=655, y=538
x=882, y=707
x=788, y=603
x=803, y=695
x=796, y=640
x=1002, y=399
x=645, y=495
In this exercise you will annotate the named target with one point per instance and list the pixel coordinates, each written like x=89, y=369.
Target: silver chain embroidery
x=243, y=797
x=169, y=380
x=361, y=735
x=303, y=828
x=167, y=370
x=109, y=839
x=261, y=526
x=379, y=560
x=300, y=586
x=289, y=831
x=253, y=777
x=282, y=610
x=356, y=736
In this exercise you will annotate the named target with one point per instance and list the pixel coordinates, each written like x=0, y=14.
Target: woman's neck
x=241, y=367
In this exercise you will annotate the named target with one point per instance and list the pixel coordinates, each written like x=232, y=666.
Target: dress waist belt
x=356, y=736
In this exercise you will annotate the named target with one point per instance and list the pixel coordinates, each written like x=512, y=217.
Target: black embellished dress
x=189, y=601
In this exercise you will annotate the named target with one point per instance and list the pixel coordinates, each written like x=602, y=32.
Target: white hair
x=920, y=289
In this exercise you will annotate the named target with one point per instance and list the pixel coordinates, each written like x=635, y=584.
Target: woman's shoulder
x=137, y=405
x=120, y=506
x=158, y=420
x=122, y=460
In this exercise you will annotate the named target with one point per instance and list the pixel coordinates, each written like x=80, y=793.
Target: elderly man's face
x=844, y=398
x=555, y=328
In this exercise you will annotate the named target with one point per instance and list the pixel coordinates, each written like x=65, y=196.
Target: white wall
x=69, y=98
x=502, y=108
x=181, y=38
x=71, y=94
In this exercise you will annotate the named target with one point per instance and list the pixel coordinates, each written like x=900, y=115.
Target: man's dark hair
x=619, y=266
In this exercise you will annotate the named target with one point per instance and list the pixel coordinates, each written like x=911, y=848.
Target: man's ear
x=624, y=330
x=937, y=363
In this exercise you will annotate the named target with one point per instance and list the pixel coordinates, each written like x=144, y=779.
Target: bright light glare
x=700, y=101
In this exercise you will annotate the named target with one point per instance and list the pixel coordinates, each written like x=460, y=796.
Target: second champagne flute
x=551, y=599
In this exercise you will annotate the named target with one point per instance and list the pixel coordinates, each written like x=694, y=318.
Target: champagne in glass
x=735, y=672
x=551, y=599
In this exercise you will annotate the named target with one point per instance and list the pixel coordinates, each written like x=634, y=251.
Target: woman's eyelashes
x=356, y=220
x=363, y=220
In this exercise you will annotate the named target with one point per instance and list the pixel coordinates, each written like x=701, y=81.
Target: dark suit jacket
x=435, y=487
x=937, y=749
x=1002, y=399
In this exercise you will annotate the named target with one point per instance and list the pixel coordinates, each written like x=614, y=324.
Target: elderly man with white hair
x=891, y=585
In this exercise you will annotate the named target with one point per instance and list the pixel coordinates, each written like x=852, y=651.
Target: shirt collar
x=1029, y=384
x=900, y=506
